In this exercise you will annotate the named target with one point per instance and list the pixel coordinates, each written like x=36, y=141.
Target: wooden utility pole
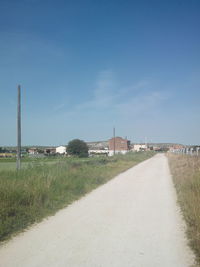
x=114, y=139
x=18, y=164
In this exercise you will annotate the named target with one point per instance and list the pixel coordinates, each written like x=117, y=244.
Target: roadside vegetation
x=26, y=162
x=28, y=195
x=77, y=148
x=185, y=170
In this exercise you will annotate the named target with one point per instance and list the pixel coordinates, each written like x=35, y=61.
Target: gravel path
x=132, y=221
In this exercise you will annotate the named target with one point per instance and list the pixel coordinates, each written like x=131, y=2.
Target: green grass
x=10, y=164
x=40, y=190
x=186, y=175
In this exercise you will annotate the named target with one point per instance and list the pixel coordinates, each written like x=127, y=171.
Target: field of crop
x=186, y=175
x=39, y=190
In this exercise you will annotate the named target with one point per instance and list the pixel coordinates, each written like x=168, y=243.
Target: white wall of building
x=61, y=150
x=97, y=151
x=111, y=152
x=139, y=147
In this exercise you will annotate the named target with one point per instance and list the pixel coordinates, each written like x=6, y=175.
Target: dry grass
x=186, y=175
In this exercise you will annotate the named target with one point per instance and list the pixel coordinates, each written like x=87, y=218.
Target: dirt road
x=132, y=221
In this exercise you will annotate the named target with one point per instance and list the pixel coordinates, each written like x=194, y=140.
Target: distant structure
x=118, y=145
x=38, y=151
x=50, y=151
x=176, y=147
x=98, y=148
x=61, y=150
x=193, y=150
x=139, y=147
x=97, y=145
x=93, y=152
x=33, y=151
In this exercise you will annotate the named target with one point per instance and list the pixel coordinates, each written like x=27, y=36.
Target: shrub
x=78, y=148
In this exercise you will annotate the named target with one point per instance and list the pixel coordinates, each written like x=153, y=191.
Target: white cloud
x=111, y=98
x=104, y=94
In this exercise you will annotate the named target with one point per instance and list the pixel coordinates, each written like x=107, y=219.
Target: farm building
x=61, y=150
x=139, y=147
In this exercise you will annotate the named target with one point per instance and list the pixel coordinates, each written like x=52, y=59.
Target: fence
x=193, y=151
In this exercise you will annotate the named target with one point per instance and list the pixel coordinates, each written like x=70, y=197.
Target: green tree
x=78, y=148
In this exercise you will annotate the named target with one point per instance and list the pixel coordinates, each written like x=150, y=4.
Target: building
x=33, y=151
x=50, y=151
x=118, y=145
x=139, y=147
x=98, y=145
x=7, y=155
x=61, y=150
x=93, y=152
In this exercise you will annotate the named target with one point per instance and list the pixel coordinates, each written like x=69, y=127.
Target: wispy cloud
x=104, y=93
x=110, y=97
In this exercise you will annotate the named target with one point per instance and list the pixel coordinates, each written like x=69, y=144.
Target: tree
x=78, y=148
x=2, y=150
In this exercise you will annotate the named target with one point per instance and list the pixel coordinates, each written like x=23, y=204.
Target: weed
x=185, y=170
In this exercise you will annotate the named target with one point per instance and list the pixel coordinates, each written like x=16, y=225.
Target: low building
x=98, y=148
x=118, y=145
x=93, y=152
x=33, y=151
x=139, y=147
x=98, y=145
x=7, y=155
x=61, y=150
x=50, y=151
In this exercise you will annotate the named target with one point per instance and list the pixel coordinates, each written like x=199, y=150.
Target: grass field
x=10, y=164
x=186, y=175
x=40, y=190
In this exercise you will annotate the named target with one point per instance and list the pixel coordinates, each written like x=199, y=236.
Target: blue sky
x=86, y=66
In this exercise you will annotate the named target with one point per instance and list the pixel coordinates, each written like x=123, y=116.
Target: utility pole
x=114, y=139
x=146, y=142
x=18, y=164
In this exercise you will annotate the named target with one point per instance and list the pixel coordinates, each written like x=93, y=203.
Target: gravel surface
x=132, y=221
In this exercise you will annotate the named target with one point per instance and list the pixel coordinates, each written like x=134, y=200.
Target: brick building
x=118, y=144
